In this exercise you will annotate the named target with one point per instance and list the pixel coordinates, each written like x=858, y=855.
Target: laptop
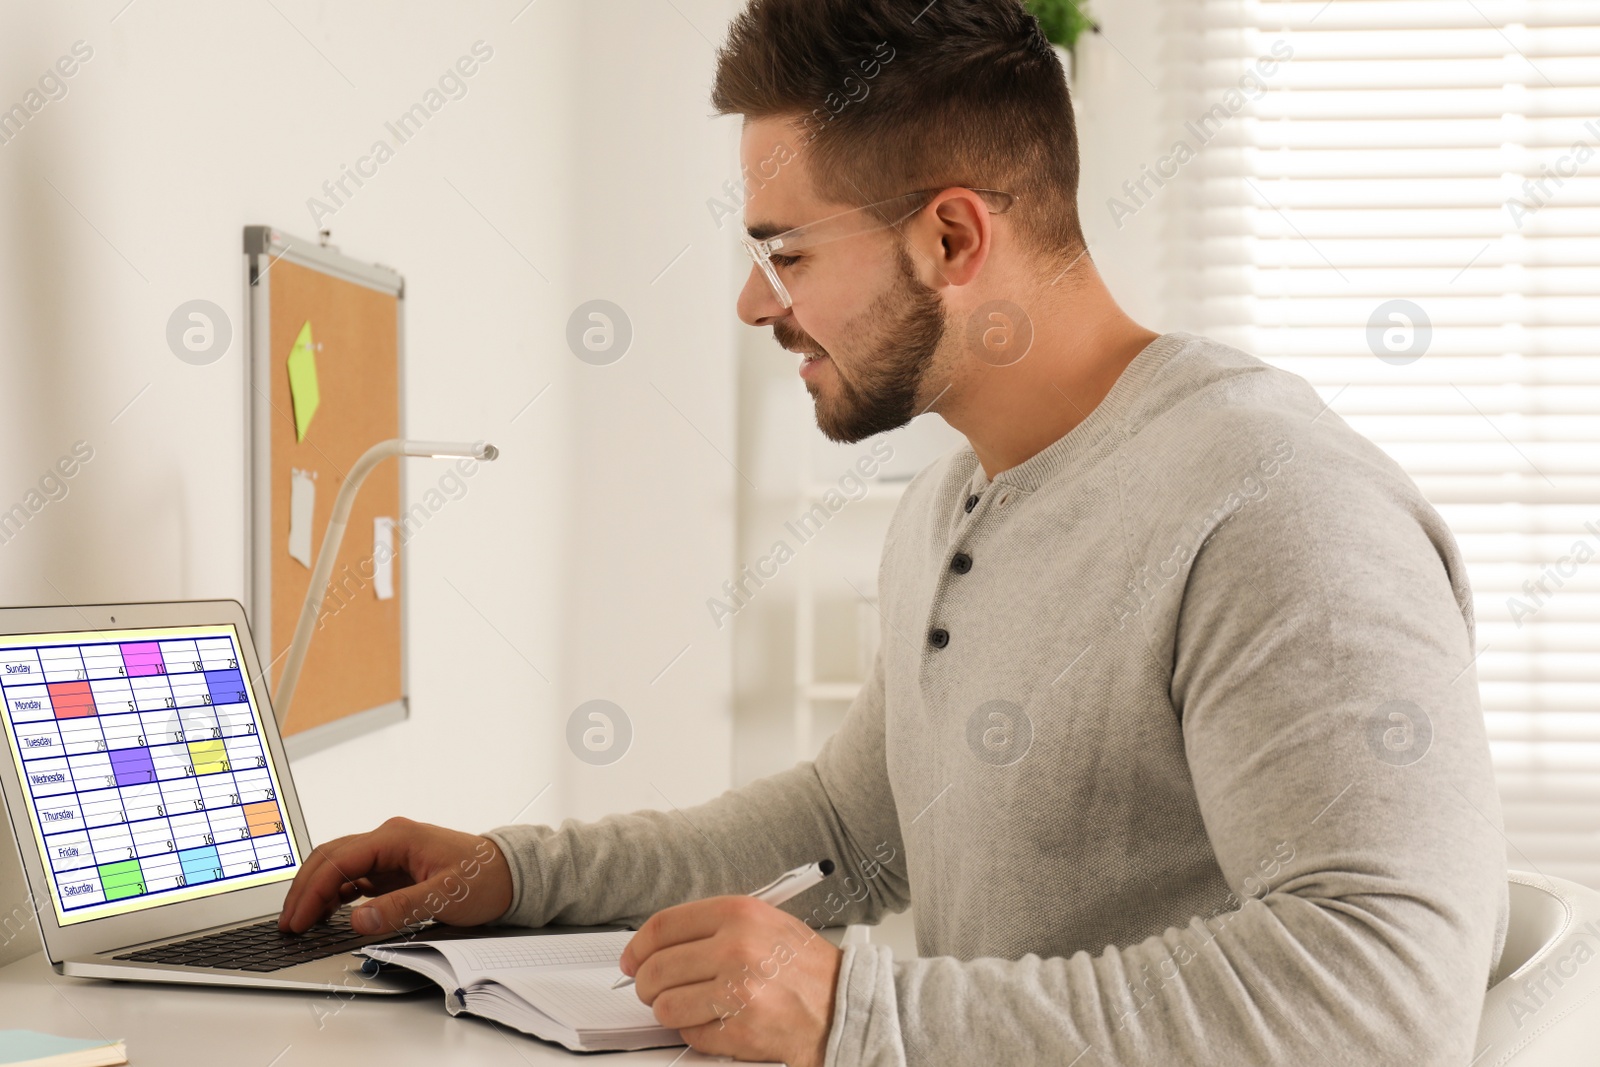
x=152, y=804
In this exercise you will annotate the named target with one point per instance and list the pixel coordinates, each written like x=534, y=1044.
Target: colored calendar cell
x=145, y=767
x=263, y=818
x=208, y=757
x=132, y=766
x=143, y=658
x=226, y=687
x=125, y=879
x=200, y=865
x=72, y=700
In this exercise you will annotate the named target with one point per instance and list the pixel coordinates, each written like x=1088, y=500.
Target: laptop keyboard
x=258, y=947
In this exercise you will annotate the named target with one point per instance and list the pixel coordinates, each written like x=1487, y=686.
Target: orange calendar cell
x=263, y=818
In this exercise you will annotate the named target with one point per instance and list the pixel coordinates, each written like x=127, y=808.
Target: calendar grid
x=144, y=766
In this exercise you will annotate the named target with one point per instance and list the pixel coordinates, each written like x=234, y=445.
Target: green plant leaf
x=1063, y=21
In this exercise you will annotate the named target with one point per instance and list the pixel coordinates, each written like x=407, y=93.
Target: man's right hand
x=414, y=871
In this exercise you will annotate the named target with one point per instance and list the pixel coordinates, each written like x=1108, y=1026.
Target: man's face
x=874, y=328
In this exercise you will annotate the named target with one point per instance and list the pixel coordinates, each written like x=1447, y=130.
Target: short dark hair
x=891, y=96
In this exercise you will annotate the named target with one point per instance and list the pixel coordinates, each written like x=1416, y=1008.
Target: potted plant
x=1063, y=22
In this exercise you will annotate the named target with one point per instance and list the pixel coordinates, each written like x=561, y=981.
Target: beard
x=886, y=373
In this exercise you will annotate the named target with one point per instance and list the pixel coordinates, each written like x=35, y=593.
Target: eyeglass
x=847, y=224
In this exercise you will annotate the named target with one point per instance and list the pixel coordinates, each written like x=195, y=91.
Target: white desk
x=174, y=1026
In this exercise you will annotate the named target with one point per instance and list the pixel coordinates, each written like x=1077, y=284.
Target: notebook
x=24, y=1048
x=553, y=986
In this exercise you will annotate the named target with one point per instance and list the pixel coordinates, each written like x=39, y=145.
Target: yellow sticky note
x=303, y=381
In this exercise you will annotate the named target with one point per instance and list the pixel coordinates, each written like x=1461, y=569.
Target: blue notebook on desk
x=24, y=1048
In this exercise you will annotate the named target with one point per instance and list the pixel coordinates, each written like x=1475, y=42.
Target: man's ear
x=958, y=237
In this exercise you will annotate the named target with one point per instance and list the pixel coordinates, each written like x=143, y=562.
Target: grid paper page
x=582, y=999
x=474, y=959
x=491, y=955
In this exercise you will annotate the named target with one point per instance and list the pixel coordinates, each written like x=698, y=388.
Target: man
x=1174, y=738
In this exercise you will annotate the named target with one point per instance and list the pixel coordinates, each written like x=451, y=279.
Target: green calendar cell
x=124, y=879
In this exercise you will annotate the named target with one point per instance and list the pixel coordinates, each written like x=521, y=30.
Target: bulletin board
x=326, y=337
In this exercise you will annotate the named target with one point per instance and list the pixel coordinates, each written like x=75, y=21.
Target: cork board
x=356, y=659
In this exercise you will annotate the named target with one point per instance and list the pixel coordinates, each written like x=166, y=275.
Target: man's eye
x=785, y=261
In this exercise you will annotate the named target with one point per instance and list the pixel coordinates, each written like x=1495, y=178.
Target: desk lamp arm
x=295, y=658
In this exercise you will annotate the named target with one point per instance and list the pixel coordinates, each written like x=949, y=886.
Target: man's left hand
x=739, y=978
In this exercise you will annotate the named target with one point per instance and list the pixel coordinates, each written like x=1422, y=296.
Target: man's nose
x=758, y=305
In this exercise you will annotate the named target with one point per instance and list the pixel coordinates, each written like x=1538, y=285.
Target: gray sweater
x=1174, y=741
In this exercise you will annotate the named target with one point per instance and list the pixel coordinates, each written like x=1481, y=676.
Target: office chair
x=1543, y=1005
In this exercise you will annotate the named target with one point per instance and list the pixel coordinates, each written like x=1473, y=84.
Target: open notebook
x=554, y=986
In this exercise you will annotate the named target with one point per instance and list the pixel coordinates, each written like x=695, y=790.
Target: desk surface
x=175, y=1025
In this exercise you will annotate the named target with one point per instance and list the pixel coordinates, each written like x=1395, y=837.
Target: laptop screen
x=141, y=756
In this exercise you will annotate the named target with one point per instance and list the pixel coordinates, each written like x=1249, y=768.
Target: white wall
x=1122, y=99
x=653, y=480
x=582, y=150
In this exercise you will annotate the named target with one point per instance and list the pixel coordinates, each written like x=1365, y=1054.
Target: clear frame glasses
x=773, y=252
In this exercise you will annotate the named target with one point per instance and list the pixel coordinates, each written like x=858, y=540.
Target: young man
x=1174, y=739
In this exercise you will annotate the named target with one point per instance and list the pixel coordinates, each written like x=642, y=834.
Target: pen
x=786, y=886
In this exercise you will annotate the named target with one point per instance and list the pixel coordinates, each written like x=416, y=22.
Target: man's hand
x=737, y=978
x=416, y=872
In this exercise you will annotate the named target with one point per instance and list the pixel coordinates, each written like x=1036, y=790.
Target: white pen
x=786, y=886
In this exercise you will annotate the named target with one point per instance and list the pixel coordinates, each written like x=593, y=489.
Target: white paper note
x=383, y=556
x=302, y=499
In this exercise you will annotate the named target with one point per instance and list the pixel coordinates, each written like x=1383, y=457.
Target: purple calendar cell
x=143, y=658
x=226, y=687
x=132, y=766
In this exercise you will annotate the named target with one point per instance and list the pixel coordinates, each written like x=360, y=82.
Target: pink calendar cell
x=143, y=658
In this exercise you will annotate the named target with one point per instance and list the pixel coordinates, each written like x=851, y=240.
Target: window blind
x=1406, y=211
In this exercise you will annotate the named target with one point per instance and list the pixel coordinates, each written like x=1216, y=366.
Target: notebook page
x=473, y=959
x=581, y=998
x=492, y=955
x=429, y=964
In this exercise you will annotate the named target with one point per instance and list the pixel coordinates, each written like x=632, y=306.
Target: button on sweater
x=1198, y=774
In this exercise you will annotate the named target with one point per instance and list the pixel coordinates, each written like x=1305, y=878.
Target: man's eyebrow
x=763, y=230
